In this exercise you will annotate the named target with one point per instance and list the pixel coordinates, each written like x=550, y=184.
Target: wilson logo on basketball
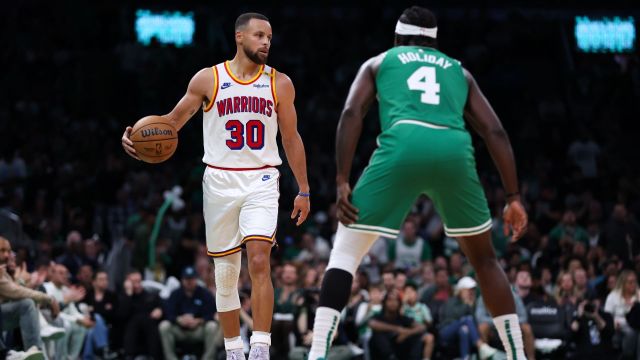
x=156, y=131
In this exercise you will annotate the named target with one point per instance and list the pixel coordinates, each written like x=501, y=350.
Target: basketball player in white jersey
x=244, y=103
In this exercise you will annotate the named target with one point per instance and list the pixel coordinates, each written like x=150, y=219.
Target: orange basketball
x=154, y=139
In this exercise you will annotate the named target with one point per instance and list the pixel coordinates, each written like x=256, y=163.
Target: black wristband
x=512, y=194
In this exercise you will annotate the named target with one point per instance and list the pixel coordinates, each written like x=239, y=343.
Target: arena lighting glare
x=605, y=34
x=168, y=27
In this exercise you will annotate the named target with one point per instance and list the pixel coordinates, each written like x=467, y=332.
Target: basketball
x=154, y=139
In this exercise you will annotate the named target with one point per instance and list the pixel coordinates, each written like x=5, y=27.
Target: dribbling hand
x=346, y=212
x=301, y=208
x=127, y=144
x=515, y=219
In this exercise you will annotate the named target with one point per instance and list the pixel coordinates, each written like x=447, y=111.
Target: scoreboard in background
x=605, y=34
x=168, y=27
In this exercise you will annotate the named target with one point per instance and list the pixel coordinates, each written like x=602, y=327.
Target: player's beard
x=253, y=56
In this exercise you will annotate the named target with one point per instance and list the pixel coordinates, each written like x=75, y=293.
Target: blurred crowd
x=90, y=262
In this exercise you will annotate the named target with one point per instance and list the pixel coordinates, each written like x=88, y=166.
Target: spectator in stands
x=409, y=250
x=523, y=286
x=102, y=303
x=582, y=289
x=366, y=311
x=84, y=277
x=621, y=234
x=565, y=293
x=139, y=313
x=388, y=280
x=400, y=278
x=18, y=307
x=72, y=257
x=421, y=314
x=457, y=267
x=189, y=317
x=441, y=291
x=592, y=331
x=548, y=320
x=288, y=301
x=394, y=336
x=427, y=279
x=567, y=232
x=75, y=322
x=618, y=304
x=457, y=325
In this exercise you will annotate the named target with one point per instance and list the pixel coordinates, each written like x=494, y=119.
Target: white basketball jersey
x=240, y=123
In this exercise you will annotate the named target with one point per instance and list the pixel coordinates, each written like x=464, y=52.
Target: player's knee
x=343, y=261
x=259, y=265
x=227, y=297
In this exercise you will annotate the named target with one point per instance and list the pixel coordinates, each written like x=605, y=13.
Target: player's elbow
x=493, y=133
x=351, y=112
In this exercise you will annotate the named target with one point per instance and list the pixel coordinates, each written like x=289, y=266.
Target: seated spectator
x=394, y=336
x=549, y=322
x=427, y=279
x=582, y=289
x=457, y=325
x=409, y=250
x=18, y=309
x=72, y=257
x=288, y=301
x=101, y=303
x=523, y=286
x=421, y=314
x=75, y=322
x=441, y=291
x=592, y=330
x=366, y=311
x=139, y=312
x=388, y=280
x=565, y=294
x=618, y=304
x=486, y=328
x=189, y=317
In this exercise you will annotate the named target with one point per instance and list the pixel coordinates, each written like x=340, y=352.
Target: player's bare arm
x=479, y=113
x=361, y=95
x=292, y=144
x=199, y=91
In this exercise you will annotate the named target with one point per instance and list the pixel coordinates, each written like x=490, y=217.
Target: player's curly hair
x=417, y=16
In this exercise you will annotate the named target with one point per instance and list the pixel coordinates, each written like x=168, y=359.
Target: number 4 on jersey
x=424, y=79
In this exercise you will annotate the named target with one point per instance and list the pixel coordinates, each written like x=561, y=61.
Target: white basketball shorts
x=239, y=206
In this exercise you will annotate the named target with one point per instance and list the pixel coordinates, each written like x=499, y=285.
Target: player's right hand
x=127, y=144
x=346, y=212
x=515, y=219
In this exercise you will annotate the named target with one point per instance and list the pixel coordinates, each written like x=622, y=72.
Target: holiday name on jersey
x=409, y=57
x=240, y=104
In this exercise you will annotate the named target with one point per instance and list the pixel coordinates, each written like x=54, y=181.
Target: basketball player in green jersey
x=424, y=97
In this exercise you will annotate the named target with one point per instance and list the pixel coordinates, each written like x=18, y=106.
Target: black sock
x=336, y=288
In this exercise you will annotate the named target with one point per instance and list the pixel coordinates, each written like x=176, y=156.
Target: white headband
x=407, y=29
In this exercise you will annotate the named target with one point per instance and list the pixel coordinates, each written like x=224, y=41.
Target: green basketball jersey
x=421, y=83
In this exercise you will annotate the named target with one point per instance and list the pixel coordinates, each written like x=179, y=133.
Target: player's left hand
x=515, y=218
x=301, y=208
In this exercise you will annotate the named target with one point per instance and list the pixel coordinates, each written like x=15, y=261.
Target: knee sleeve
x=349, y=248
x=227, y=272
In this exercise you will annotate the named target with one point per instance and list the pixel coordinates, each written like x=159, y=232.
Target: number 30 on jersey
x=424, y=79
x=253, y=137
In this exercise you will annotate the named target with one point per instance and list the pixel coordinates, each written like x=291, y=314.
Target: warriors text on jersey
x=240, y=123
